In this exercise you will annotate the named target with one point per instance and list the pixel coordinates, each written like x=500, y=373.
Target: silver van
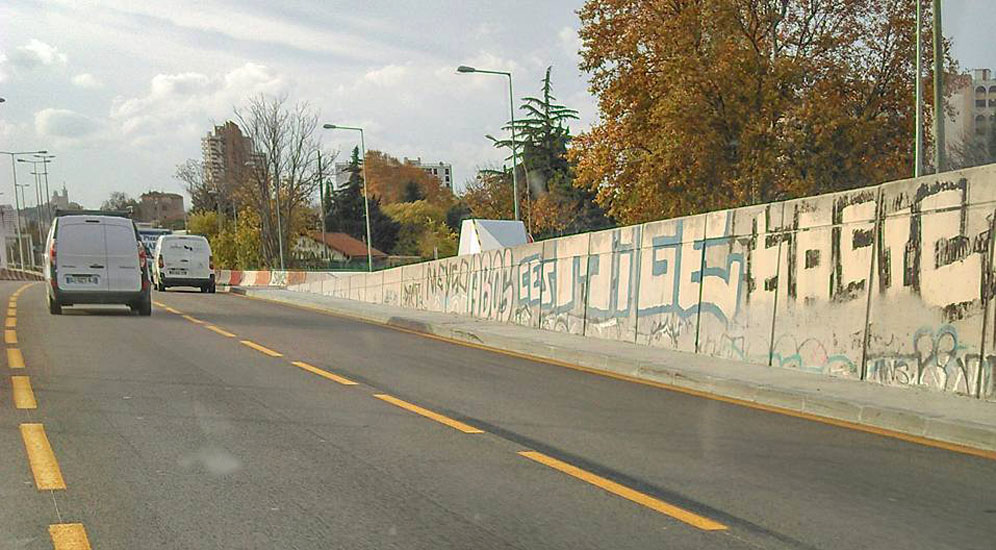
x=96, y=259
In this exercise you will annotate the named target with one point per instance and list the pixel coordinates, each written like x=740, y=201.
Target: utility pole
x=939, y=160
x=321, y=205
x=918, y=146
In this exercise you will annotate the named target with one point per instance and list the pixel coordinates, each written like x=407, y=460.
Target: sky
x=121, y=91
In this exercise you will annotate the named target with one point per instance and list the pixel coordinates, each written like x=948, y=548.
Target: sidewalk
x=941, y=417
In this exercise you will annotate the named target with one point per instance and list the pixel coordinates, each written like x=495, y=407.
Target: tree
x=423, y=229
x=556, y=206
x=489, y=195
x=191, y=174
x=347, y=213
x=284, y=168
x=412, y=192
x=718, y=103
x=119, y=201
x=393, y=181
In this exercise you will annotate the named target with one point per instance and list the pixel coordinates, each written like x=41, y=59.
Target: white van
x=96, y=259
x=183, y=260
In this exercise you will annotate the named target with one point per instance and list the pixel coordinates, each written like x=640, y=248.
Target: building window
x=980, y=91
x=992, y=90
x=980, y=103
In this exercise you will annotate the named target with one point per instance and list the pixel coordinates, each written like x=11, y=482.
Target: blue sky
x=123, y=90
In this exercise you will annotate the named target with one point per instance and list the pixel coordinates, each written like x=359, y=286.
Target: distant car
x=96, y=259
x=183, y=260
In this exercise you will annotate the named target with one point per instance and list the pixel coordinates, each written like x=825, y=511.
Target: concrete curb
x=978, y=439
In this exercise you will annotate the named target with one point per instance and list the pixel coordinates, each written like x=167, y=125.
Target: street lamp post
x=42, y=219
x=17, y=204
x=366, y=201
x=464, y=69
x=939, y=145
x=48, y=195
x=31, y=243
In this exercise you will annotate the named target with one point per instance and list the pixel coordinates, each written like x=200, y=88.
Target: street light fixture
x=48, y=194
x=17, y=205
x=464, y=69
x=42, y=219
x=366, y=201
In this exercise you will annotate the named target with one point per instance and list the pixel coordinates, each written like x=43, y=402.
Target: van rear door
x=81, y=260
x=185, y=257
x=124, y=274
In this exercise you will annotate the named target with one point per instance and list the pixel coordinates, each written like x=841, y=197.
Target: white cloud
x=36, y=54
x=183, y=105
x=570, y=40
x=238, y=22
x=64, y=123
x=387, y=76
x=87, y=81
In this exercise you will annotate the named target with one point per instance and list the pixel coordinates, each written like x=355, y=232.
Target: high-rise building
x=971, y=108
x=442, y=171
x=225, y=153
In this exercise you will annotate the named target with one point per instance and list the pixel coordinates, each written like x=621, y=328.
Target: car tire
x=54, y=307
x=205, y=289
x=145, y=306
x=213, y=288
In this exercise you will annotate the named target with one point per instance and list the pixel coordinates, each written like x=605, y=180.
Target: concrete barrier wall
x=892, y=284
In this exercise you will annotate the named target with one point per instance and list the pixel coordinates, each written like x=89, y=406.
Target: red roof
x=346, y=245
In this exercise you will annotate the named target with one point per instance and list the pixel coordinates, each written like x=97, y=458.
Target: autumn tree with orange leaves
x=709, y=104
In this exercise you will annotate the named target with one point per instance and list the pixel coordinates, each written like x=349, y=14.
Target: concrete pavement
x=171, y=432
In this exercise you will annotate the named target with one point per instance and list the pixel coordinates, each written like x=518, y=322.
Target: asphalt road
x=170, y=432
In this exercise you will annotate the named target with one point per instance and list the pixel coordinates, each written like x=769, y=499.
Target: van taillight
x=211, y=262
x=141, y=255
x=161, y=263
x=51, y=252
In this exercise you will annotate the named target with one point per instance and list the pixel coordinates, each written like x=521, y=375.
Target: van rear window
x=189, y=245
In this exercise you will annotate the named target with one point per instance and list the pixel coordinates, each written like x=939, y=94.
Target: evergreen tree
x=412, y=192
x=542, y=137
x=346, y=214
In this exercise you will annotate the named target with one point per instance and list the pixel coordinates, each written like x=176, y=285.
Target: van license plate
x=177, y=271
x=81, y=279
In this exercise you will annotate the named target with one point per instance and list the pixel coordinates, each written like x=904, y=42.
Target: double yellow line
x=41, y=458
x=613, y=487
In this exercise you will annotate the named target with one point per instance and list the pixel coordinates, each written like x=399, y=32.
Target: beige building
x=160, y=208
x=971, y=106
x=340, y=247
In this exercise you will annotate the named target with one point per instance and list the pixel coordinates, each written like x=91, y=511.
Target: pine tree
x=347, y=215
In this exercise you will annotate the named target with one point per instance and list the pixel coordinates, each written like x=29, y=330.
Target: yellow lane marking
x=261, y=349
x=324, y=373
x=45, y=468
x=883, y=432
x=193, y=319
x=11, y=322
x=456, y=424
x=24, y=398
x=69, y=536
x=220, y=331
x=158, y=304
x=10, y=336
x=11, y=311
x=172, y=310
x=643, y=499
x=14, y=358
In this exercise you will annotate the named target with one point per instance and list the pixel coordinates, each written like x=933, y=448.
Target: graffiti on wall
x=890, y=283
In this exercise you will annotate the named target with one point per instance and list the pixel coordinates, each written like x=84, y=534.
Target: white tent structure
x=483, y=235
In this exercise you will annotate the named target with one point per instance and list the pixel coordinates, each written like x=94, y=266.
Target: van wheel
x=213, y=288
x=144, y=306
x=205, y=289
x=54, y=307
